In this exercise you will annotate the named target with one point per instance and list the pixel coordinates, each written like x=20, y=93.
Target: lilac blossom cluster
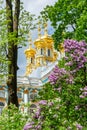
x=84, y=92
x=32, y=125
x=79, y=127
x=29, y=126
x=56, y=74
x=77, y=107
x=43, y=102
x=75, y=53
x=38, y=116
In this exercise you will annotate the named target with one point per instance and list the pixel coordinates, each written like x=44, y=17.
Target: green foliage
x=26, y=23
x=12, y=119
x=68, y=19
x=44, y=92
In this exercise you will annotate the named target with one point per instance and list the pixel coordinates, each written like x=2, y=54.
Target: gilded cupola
x=40, y=48
x=49, y=44
x=44, y=52
x=30, y=56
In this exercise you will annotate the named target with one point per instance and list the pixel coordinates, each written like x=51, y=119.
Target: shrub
x=63, y=104
x=12, y=119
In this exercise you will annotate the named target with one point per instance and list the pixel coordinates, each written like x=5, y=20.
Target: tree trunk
x=12, y=26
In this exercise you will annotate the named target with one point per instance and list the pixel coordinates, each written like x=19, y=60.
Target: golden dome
x=48, y=40
x=43, y=53
x=30, y=51
x=39, y=43
x=44, y=41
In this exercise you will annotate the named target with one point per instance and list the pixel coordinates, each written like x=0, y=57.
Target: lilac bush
x=63, y=101
x=75, y=54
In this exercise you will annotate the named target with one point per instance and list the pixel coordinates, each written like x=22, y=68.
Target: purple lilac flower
x=59, y=89
x=56, y=74
x=76, y=107
x=79, y=127
x=84, y=93
x=37, y=113
x=36, y=116
x=81, y=96
x=76, y=51
x=43, y=102
x=70, y=80
x=38, y=127
x=28, y=126
x=70, y=63
x=85, y=88
x=50, y=103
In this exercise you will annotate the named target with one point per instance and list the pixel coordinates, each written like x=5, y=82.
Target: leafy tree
x=68, y=19
x=15, y=24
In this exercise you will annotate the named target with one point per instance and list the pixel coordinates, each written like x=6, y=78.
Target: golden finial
x=45, y=28
x=30, y=40
x=39, y=29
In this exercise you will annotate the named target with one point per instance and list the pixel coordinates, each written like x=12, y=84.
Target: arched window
x=33, y=96
x=1, y=107
x=19, y=95
x=48, y=52
x=2, y=93
x=31, y=60
x=1, y=104
x=33, y=106
x=41, y=51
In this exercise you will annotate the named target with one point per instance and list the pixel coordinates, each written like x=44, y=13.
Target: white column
x=25, y=98
x=6, y=96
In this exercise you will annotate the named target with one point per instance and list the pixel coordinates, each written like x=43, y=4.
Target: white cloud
x=36, y=6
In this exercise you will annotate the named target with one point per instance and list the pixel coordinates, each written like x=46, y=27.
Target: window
x=0, y=110
x=33, y=106
x=1, y=107
x=41, y=51
x=33, y=96
x=48, y=52
x=1, y=104
x=19, y=95
x=31, y=60
x=2, y=94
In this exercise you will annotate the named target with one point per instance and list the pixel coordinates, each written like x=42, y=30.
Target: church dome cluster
x=42, y=53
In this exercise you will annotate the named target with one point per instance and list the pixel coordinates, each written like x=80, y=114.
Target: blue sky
x=35, y=7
